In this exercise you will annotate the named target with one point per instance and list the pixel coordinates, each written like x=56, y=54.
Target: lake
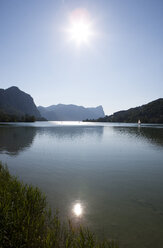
x=107, y=176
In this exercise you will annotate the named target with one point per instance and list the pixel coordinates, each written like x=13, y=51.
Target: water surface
x=111, y=173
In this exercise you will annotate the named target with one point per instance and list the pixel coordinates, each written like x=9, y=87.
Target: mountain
x=13, y=101
x=62, y=112
x=148, y=113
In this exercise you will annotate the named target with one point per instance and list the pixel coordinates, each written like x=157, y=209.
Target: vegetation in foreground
x=26, y=222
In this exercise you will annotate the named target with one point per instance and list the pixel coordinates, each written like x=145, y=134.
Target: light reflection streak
x=77, y=209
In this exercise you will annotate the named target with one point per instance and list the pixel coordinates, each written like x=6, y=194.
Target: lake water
x=108, y=176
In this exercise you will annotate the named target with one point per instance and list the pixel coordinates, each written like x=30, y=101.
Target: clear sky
x=121, y=67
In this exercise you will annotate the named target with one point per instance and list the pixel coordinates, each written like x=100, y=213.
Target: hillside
x=62, y=112
x=14, y=102
x=148, y=113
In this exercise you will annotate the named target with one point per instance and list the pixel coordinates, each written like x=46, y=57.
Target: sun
x=80, y=27
x=80, y=31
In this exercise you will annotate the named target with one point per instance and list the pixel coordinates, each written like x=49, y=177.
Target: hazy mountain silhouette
x=13, y=101
x=62, y=112
x=148, y=113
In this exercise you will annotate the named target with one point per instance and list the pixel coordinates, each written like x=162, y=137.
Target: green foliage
x=148, y=113
x=4, y=117
x=25, y=221
x=22, y=213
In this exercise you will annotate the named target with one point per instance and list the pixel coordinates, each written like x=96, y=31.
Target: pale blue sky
x=121, y=68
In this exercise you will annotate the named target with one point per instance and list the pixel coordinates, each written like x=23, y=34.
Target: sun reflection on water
x=77, y=209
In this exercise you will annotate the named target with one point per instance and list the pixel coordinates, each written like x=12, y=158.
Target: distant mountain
x=13, y=101
x=62, y=112
x=148, y=113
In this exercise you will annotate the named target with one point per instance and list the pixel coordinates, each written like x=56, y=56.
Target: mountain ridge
x=14, y=101
x=70, y=112
x=151, y=112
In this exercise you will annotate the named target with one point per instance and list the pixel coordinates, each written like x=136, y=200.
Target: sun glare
x=77, y=209
x=80, y=27
x=80, y=31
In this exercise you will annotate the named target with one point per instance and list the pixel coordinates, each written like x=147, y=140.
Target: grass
x=27, y=222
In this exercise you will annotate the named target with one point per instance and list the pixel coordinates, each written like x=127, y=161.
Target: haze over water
x=107, y=176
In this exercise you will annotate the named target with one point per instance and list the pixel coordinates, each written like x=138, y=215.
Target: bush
x=26, y=222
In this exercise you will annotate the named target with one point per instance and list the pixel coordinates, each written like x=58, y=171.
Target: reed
x=27, y=222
